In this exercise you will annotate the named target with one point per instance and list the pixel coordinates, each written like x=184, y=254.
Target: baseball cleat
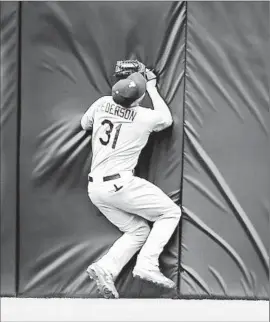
x=103, y=280
x=153, y=276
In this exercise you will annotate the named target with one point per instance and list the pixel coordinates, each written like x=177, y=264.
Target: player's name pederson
x=126, y=113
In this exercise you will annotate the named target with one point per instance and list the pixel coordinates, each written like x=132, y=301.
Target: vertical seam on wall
x=182, y=169
x=17, y=252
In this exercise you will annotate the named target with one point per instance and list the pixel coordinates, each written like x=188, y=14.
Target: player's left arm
x=87, y=120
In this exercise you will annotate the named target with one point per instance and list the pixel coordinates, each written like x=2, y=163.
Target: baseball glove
x=124, y=68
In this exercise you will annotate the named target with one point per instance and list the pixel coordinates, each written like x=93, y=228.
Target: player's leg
x=145, y=199
x=136, y=231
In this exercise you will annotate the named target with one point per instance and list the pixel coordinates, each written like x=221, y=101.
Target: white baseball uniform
x=118, y=136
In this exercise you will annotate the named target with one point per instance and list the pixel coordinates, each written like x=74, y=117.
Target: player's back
x=119, y=135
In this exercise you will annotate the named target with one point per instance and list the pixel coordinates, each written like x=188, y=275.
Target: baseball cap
x=128, y=90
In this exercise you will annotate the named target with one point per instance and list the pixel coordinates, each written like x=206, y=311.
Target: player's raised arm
x=88, y=118
x=165, y=116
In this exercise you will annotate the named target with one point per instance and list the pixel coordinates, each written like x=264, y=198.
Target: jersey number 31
x=109, y=132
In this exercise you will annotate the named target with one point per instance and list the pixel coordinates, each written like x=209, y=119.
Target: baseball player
x=120, y=129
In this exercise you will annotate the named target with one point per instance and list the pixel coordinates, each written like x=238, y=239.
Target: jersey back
x=118, y=135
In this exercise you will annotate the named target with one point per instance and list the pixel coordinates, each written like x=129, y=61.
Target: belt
x=107, y=178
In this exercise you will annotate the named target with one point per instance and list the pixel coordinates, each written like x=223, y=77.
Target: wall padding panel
x=225, y=235
x=69, y=52
x=9, y=35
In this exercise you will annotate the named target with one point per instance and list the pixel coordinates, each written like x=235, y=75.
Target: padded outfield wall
x=211, y=59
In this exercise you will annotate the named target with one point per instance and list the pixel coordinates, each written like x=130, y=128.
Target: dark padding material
x=212, y=61
x=8, y=142
x=69, y=51
x=225, y=241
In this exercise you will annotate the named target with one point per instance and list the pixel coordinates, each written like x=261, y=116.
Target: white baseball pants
x=127, y=202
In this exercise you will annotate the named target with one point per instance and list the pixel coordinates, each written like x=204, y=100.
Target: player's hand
x=151, y=79
x=149, y=74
